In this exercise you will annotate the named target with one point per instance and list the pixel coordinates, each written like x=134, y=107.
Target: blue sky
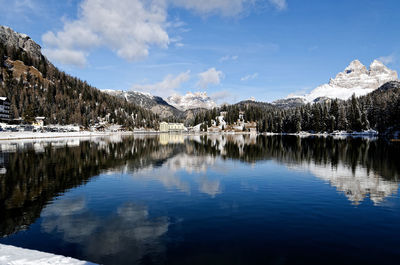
x=232, y=49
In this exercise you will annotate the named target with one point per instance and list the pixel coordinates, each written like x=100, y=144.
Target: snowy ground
x=367, y=133
x=10, y=255
x=37, y=135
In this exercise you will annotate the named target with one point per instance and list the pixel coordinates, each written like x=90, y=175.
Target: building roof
x=3, y=98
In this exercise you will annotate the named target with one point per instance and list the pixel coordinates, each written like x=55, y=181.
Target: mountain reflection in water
x=33, y=174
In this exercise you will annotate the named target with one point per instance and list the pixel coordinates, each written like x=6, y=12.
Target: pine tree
x=365, y=122
x=334, y=113
x=342, y=123
x=316, y=118
x=355, y=115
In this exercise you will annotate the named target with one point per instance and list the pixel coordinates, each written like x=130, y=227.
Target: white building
x=241, y=115
x=4, y=109
x=39, y=121
x=172, y=127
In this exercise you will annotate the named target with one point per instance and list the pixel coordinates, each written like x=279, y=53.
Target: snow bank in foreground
x=18, y=256
x=37, y=135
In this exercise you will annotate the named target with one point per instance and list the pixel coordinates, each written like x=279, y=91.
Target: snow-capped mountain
x=192, y=101
x=355, y=79
x=146, y=100
x=14, y=39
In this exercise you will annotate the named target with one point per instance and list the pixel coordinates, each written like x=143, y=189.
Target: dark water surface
x=172, y=199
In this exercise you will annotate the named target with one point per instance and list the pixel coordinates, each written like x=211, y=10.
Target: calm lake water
x=174, y=199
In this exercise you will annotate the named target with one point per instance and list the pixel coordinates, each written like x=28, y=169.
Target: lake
x=232, y=199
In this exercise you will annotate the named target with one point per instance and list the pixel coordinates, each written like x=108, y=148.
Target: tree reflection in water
x=33, y=173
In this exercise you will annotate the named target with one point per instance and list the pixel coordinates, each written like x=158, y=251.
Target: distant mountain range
x=355, y=79
x=156, y=104
x=175, y=106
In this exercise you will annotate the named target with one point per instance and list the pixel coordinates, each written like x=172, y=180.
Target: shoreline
x=7, y=136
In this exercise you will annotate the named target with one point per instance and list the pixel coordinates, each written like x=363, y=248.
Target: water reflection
x=357, y=184
x=32, y=173
x=127, y=236
x=166, y=138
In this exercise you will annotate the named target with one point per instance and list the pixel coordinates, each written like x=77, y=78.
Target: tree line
x=379, y=110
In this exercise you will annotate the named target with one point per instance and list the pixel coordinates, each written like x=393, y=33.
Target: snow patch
x=20, y=256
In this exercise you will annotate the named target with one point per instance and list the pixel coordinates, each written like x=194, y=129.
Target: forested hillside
x=36, y=88
x=379, y=110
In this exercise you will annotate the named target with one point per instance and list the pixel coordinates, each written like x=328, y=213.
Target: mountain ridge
x=154, y=103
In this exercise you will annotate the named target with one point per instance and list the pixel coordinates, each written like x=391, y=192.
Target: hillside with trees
x=36, y=88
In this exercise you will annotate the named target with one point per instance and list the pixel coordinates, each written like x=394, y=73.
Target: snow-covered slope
x=192, y=101
x=355, y=79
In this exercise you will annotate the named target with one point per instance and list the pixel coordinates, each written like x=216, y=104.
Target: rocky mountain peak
x=192, y=101
x=377, y=67
x=14, y=39
x=355, y=67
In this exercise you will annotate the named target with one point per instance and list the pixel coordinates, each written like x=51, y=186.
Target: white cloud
x=206, y=7
x=165, y=88
x=228, y=58
x=22, y=10
x=221, y=96
x=249, y=77
x=24, y=4
x=387, y=59
x=67, y=56
x=279, y=4
x=177, y=41
x=223, y=7
x=128, y=27
x=211, y=76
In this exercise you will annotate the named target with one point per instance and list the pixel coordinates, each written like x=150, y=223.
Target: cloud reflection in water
x=128, y=235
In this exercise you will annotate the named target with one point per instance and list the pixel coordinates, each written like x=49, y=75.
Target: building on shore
x=241, y=115
x=39, y=121
x=4, y=109
x=172, y=127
